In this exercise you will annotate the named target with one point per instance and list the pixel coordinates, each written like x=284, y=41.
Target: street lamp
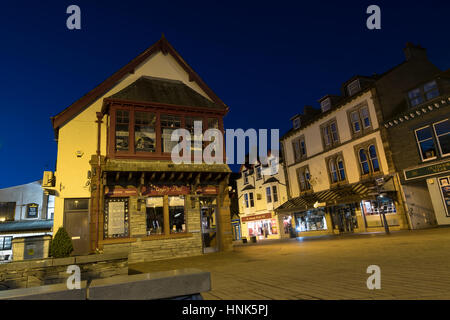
x=381, y=195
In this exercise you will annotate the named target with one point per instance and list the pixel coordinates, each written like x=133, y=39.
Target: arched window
x=374, y=158
x=333, y=171
x=340, y=166
x=364, y=162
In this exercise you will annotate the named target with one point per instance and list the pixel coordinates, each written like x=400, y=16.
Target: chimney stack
x=414, y=51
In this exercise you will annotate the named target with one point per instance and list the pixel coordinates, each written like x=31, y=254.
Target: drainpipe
x=99, y=128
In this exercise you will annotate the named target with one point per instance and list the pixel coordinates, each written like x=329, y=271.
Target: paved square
x=414, y=265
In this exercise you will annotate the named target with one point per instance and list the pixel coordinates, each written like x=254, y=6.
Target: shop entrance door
x=208, y=209
x=345, y=219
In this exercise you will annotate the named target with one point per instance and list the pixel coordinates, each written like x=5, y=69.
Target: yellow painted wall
x=80, y=133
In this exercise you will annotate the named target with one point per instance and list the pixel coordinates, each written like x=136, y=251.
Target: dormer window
x=296, y=123
x=353, y=87
x=325, y=105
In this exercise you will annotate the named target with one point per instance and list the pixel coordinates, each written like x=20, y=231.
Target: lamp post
x=380, y=182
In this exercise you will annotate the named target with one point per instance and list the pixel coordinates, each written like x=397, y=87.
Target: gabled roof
x=167, y=91
x=161, y=45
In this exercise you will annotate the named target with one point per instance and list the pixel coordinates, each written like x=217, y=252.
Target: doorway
x=76, y=223
x=344, y=219
x=208, y=214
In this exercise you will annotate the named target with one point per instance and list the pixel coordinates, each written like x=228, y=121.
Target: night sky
x=264, y=60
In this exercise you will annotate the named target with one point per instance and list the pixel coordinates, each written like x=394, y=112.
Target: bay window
x=176, y=214
x=144, y=132
x=122, y=130
x=141, y=132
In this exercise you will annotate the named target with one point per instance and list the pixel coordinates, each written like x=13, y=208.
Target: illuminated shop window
x=312, y=220
x=176, y=214
x=155, y=215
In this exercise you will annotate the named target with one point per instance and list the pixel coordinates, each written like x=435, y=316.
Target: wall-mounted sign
x=118, y=191
x=444, y=183
x=116, y=218
x=32, y=210
x=426, y=171
x=165, y=190
x=257, y=217
x=208, y=190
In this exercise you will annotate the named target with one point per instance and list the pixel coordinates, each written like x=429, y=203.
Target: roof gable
x=162, y=46
x=166, y=91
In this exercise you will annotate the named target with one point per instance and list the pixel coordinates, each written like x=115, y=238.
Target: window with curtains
x=304, y=179
x=299, y=148
x=330, y=135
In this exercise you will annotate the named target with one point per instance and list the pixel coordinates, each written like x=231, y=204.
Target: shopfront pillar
x=329, y=221
x=166, y=214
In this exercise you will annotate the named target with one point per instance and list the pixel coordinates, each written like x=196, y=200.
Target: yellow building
x=115, y=184
x=258, y=196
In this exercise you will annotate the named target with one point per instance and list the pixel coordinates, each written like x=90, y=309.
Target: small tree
x=61, y=245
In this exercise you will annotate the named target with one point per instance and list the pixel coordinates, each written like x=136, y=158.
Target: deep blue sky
x=265, y=60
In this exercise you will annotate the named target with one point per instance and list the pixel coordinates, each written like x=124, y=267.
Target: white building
x=25, y=211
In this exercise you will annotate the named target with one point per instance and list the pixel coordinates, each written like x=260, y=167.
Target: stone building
x=419, y=139
x=339, y=164
x=117, y=188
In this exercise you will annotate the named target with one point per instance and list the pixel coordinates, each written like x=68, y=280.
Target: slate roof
x=167, y=91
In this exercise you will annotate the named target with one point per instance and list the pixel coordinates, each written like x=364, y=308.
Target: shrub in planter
x=61, y=246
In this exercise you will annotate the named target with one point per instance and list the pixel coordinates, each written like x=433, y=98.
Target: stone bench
x=151, y=286
x=174, y=284
x=49, y=292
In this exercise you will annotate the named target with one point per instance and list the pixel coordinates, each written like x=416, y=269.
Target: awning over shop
x=16, y=226
x=335, y=196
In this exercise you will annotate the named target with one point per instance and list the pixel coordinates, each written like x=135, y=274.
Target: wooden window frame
x=158, y=111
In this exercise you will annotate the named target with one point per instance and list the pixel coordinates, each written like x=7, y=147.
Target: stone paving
x=414, y=265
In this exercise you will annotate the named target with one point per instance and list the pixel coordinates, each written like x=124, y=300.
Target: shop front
x=430, y=186
x=261, y=226
x=162, y=214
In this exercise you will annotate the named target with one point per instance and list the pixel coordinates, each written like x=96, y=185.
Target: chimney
x=414, y=52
